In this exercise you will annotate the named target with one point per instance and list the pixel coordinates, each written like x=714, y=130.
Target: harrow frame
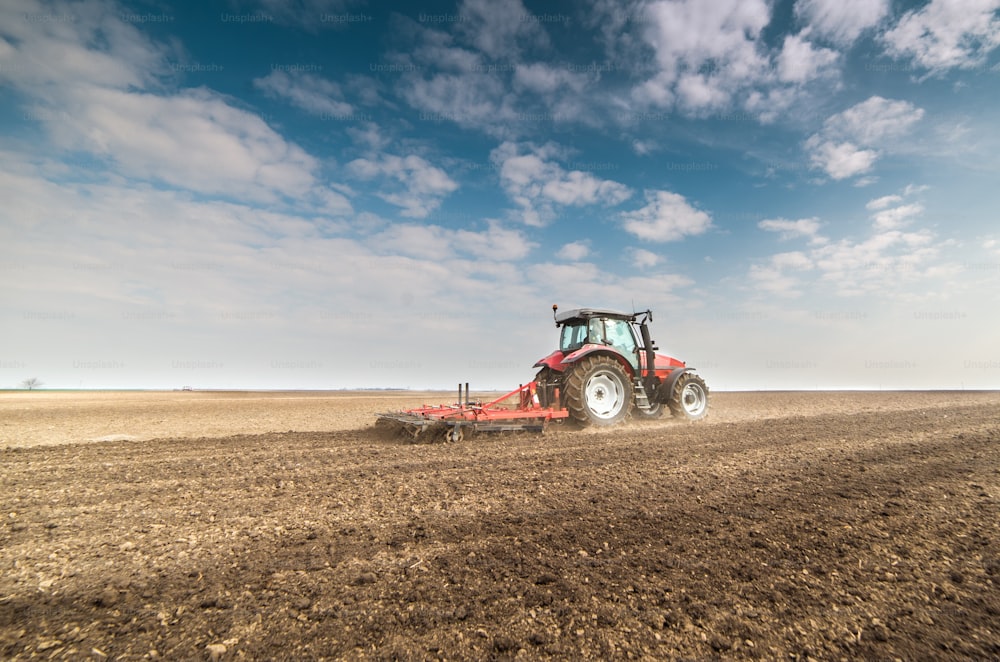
x=454, y=420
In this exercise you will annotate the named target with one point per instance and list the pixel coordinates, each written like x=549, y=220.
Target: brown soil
x=788, y=525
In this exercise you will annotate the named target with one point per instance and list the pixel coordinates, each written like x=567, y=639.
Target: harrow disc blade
x=415, y=429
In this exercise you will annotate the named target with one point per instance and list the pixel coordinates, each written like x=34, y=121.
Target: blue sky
x=334, y=194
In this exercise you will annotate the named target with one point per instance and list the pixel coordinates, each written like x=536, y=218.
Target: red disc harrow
x=516, y=411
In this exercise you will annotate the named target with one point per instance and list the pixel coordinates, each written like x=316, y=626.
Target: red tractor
x=606, y=363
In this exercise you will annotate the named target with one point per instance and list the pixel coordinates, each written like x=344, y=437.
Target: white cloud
x=642, y=258
x=850, y=141
x=774, y=278
x=433, y=242
x=715, y=57
x=478, y=76
x=881, y=263
x=315, y=95
x=47, y=57
x=867, y=180
x=698, y=91
x=331, y=200
x=368, y=135
x=543, y=78
x=768, y=105
x=800, y=61
x=793, y=260
x=94, y=83
x=687, y=36
x=589, y=284
x=774, y=281
x=883, y=202
x=644, y=147
x=839, y=160
x=498, y=28
x=233, y=284
x=497, y=243
x=884, y=262
x=424, y=185
x=946, y=34
x=439, y=50
x=193, y=140
x=841, y=21
x=538, y=184
x=804, y=227
x=667, y=216
x=896, y=217
x=574, y=251
x=575, y=187
x=428, y=242
x=874, y=120
x=473, y=99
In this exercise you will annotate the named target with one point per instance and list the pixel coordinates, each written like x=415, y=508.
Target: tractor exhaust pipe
x=649, y=379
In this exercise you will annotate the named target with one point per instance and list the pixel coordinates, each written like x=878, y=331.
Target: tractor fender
x=598, y=350
x=667, y=387
x=552, y=361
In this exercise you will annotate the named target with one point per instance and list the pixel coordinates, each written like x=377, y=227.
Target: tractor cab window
x=574, y=336
x=596, y=334
x=616, y=333
x=620, y=336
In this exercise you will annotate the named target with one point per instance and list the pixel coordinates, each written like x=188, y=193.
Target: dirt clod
x=107, y=598
x=216, y=651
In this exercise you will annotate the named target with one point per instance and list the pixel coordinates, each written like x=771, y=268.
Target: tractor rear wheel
x=690, y=398
x=598, y=391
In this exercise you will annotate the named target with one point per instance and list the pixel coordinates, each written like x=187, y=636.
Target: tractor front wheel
x=598, y=391
x=654, y=412
x=690, y=398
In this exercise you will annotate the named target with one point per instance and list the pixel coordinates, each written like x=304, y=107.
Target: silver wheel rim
x=605, y=395
x=693, y=399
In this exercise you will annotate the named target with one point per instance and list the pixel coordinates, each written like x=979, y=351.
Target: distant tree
x=31, y=383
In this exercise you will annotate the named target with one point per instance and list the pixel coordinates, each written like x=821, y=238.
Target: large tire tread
x=575, y=390
x=675, y=403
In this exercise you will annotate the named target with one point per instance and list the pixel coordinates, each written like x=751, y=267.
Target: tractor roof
x=589, y=313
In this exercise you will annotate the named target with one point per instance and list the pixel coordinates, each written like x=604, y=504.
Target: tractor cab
x=582, y=327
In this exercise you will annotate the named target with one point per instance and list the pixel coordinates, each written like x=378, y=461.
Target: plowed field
x=269, y=526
